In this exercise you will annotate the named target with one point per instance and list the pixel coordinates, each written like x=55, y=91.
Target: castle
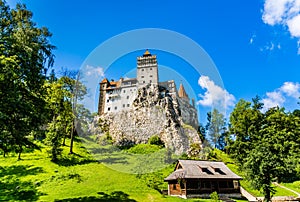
x=119, y=95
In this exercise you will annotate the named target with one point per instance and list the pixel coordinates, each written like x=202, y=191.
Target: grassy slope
x=79, y=177
x=35, y=178
x=247, y=185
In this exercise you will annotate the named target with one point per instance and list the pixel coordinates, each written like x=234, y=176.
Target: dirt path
x=278, y=185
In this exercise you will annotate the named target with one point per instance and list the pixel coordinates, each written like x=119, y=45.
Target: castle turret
x=182, y=93
x=147, y=69
x=103, y=86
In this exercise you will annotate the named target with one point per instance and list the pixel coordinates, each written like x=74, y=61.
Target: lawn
x=75, y=178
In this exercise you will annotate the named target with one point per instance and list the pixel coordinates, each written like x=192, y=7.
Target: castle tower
x=147, y=69
x=101, y=104
x=182, y=93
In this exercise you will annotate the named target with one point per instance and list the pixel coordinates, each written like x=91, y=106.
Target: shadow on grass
x=103, y=197
x=13, y=189
x=74, y=159
x=114, y=160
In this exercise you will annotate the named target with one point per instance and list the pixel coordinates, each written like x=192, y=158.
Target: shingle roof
x=202, y=170
x=181, y=92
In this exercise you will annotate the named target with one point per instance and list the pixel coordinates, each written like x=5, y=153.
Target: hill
x=74, y=178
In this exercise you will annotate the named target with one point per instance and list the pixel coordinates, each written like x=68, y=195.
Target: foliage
x=105, y=139
x=266, y=144
x=201, y=132
x=144, y=149
x=155, y=140
x=216, y=127
x=25, y=57
x=214, y=196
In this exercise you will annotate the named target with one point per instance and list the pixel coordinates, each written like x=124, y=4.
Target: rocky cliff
x=153, y=112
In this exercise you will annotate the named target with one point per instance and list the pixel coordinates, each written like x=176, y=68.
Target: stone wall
x=152, y=113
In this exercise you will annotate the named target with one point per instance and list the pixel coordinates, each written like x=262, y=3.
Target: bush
x=155, y=140
x=214, y=196
x=105, y=139
x=143, y=149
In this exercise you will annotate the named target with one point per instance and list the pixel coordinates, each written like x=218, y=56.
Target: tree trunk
x=64, y=141
x=19, y=156
x=72, y=138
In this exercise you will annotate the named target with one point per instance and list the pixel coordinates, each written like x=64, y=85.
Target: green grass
x=73, y=178
x=80, y=177
x=294, y=186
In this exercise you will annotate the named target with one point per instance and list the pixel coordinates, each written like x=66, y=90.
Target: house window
x=127, y=105
x=116, y=108
x=127, y=97
x=124, y=91
x=142, y=70
x=123, y=105
x=142, y=76
x=107, y=101
x=174, y=186
x=150, y=75
x=235, y=184
x=143, y=81
x=150, y=81
x=150, y=68
x=108, y=109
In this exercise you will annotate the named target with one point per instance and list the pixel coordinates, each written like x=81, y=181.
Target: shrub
x=155, y=140
x=214, y=196
x=143, y=149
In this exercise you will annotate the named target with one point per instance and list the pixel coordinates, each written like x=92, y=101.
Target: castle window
x=108, y=109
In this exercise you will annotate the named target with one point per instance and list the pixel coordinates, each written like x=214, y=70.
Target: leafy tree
x=215, y=126
x=201, y=132
x=61, y=113
x=25, y=55
x=73, y=84
x=266, y=144
x=245, y=122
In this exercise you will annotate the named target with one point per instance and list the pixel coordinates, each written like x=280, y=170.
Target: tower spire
x=182, y=93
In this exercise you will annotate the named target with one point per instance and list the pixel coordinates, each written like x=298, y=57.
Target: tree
x=215, y=126
x=245, y=122
x=77, y=92
x=266, y=144
x=26, y=55
x=62, y=116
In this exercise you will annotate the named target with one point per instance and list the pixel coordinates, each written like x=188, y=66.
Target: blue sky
x=254, y=44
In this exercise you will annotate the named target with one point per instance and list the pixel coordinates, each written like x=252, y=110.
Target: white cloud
x=215, y=96
x=270, y=47
x=93, y=71
x=294, y=26
x=285, y=13
x=273, y=99
x=251, y=41
x=274, y=11
x=291, y=89
x=279, y=96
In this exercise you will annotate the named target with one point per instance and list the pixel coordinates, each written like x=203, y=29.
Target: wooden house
x=192, y=179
